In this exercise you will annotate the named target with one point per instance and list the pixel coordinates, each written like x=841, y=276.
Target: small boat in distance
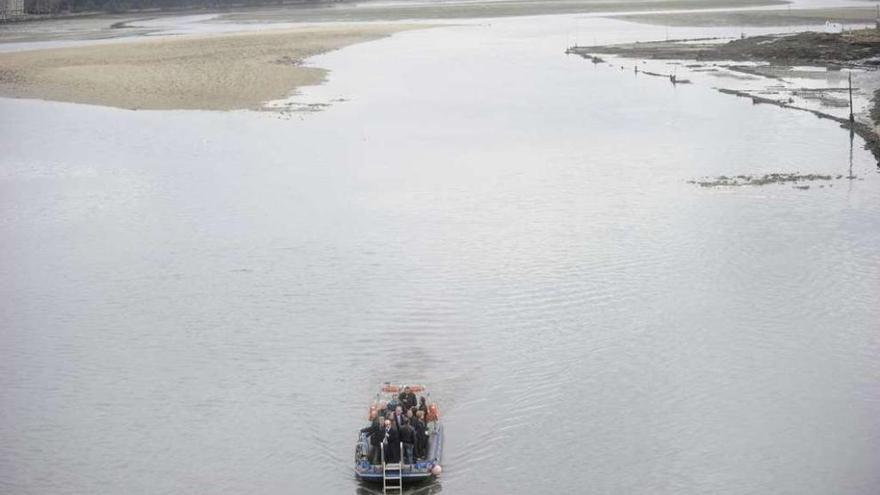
x=388, y=465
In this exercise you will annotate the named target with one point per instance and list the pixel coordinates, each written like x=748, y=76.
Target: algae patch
x=797, y=180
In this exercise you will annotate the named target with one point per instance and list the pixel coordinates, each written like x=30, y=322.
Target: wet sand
x=216, y=72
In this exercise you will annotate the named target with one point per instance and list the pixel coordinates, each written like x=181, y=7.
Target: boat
x=392, y=475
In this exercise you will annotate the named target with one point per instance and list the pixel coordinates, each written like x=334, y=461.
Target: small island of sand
x=215, y=72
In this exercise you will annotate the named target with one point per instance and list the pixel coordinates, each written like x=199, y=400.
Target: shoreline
x=99, y=25
x=146, y=65
x=861, y=129
x=779, y=57
x=850, y=15
x=239, y=71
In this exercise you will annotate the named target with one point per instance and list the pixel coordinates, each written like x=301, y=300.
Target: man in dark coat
x=408, y=437
x=407, y=399
x=376, y=434
x=421, y=429
x=391, y=440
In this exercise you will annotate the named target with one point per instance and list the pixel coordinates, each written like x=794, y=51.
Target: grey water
x=204, y=302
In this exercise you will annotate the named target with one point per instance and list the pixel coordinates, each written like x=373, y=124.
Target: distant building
x=10, y=9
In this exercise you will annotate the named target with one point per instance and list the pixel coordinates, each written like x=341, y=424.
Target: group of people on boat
x=407, y=421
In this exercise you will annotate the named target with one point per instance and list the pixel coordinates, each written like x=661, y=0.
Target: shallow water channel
x=204, y=302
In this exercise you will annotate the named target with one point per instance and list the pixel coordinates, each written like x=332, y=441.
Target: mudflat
x=214, y=72
x=757, y=18
x=851, y=48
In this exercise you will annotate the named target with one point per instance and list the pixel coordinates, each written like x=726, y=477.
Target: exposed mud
x=808, y=48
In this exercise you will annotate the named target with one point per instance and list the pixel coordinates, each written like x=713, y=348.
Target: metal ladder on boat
x=392, y=474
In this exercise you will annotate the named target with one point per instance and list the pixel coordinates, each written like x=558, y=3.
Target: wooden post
x=851, y=117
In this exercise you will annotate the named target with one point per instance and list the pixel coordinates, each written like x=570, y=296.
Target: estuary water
x=204, y=302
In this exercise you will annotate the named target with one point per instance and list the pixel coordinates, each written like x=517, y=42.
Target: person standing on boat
x=408, y=438
x=421, y=430
x=391, y=440
x=376, y=434
x=398, y=417
x=407, y=399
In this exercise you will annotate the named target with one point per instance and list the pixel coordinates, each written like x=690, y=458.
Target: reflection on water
x=427, y=488
x=201, y=301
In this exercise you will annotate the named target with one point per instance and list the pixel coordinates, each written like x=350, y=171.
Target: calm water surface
x=200, y=302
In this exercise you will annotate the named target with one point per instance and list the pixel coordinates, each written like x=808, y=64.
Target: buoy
x=436, y=470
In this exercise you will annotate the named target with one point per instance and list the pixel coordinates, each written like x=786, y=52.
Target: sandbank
x=213, y=72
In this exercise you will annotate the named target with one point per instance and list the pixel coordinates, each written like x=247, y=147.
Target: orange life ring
x=391, y=389
x=433, y=413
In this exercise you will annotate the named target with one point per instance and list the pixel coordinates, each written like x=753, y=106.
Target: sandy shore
x=216, y=72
